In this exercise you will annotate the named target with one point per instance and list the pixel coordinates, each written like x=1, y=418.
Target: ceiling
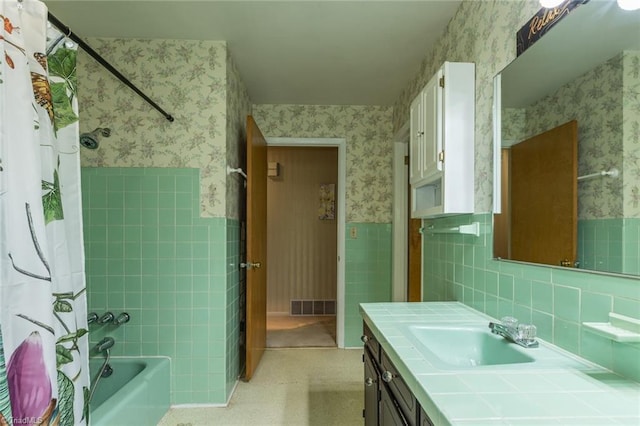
x=288, y=52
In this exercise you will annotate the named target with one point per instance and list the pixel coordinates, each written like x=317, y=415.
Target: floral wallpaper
x=605, y=103
x=238, y=107
x=592, y=99
x=481, y=32
x=187, y=79
x=369, y=137
x=631, y=133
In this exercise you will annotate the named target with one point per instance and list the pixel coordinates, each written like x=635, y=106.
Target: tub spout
x=105, y=344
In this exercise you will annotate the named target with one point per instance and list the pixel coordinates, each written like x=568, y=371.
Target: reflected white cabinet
x=441, y=144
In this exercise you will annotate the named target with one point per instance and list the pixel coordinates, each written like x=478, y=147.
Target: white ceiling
x=288, y=52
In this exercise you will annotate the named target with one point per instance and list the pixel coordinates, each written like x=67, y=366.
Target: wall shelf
x=471, y=229
x=620, y=328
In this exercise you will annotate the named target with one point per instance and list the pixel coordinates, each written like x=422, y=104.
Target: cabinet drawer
x=400, y=390
x=370, y=342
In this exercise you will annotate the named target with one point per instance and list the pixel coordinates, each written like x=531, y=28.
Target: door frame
x=341, y=144
x=400, y=214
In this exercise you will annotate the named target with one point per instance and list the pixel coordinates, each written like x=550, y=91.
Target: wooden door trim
x=256, y=250
x=341, y=144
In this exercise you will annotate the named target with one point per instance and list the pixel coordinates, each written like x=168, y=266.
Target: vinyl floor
x=293, y=386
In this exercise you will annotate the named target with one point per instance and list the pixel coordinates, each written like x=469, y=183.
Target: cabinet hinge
x=441, y=156
x=363, y=413
x=442, y=81
x=406, y=160
x=362, y=357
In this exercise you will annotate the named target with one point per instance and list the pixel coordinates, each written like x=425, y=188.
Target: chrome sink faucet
x=520, y=334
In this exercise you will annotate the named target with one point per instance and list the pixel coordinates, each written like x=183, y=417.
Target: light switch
x=353, y=232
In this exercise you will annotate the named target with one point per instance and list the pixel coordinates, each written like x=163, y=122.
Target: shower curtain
x=44, y=377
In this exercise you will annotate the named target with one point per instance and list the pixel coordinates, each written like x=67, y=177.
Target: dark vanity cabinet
x=388, y=401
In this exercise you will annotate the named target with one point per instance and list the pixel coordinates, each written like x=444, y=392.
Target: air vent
x=313, y=307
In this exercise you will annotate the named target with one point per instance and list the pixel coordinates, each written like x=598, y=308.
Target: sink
x=465, y=346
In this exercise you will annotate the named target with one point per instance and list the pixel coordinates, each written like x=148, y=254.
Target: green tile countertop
x=569, y=391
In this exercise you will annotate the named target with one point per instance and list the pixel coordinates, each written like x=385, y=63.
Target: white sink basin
x=466, y=346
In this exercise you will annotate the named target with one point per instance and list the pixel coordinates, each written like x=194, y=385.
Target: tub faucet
x=122, y=318
x=520, y=334
x=106, y=318
x=105, y=344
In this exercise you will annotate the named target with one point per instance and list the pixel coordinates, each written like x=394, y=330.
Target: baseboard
x=223, y=405
x=200, y=405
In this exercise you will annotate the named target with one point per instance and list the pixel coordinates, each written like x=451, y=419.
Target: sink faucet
x=520, y=334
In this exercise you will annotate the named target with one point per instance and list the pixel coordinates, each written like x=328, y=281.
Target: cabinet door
x=390, y=414
x=424, y=419
x=371, y=393
x=399, y=389
x=432, y=138
x=416, y=137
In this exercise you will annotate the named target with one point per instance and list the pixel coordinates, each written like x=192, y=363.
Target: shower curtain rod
x=95, y=55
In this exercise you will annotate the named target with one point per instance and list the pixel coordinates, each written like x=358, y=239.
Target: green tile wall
x=367, y=273
x=600, y=244
x=150, y=254
x=557, y=301
x=233, y=305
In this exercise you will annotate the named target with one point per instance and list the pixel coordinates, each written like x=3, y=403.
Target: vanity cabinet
x=387, y=398
x=441, y=143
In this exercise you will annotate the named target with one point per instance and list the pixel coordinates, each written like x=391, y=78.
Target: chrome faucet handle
x=122, y=318
x=92, y=317
x=510, y=322
x=527, y=332
x=106, y=318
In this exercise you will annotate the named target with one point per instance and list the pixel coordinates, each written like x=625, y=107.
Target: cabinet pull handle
x=387, y=376
x=364, y=338
x=368, y=381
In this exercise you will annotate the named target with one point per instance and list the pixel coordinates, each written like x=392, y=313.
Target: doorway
x=305, y=217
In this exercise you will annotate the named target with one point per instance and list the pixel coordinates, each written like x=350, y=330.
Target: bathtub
x=136, y=394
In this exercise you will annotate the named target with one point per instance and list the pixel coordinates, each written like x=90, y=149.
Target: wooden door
x=544, y=200
x=256, y=304
x=414, y=255
x=501, y=221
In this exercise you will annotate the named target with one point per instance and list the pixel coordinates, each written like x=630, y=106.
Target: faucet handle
x=510, y=322
x=527, y=331
x=106, y=318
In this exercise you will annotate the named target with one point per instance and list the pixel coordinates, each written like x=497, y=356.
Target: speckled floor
x=297, y=386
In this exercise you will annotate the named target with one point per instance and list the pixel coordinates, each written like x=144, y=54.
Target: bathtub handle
x=106, y=318
x=122, y=318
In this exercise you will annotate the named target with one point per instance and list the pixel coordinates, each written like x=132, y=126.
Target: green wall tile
x=595, y=307
x=142, y=234
x=566, y=303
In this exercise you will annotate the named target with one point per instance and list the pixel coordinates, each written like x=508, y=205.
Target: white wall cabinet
x=441, y=143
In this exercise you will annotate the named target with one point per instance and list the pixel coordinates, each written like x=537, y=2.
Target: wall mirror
x=567, y=145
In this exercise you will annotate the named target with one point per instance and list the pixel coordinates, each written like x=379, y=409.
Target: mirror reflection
x=570, y=145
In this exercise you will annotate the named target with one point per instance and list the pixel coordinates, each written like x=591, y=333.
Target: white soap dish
x=620, y=328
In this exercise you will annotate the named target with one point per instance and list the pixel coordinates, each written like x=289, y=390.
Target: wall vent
x=313, y=307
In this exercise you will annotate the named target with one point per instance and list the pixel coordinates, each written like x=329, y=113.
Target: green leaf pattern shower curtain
x=44, y=377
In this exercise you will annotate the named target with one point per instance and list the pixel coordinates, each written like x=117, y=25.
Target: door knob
x=251, y=265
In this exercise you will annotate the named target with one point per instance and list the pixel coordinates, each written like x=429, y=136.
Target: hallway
x=314, y=387
x=301, y=331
